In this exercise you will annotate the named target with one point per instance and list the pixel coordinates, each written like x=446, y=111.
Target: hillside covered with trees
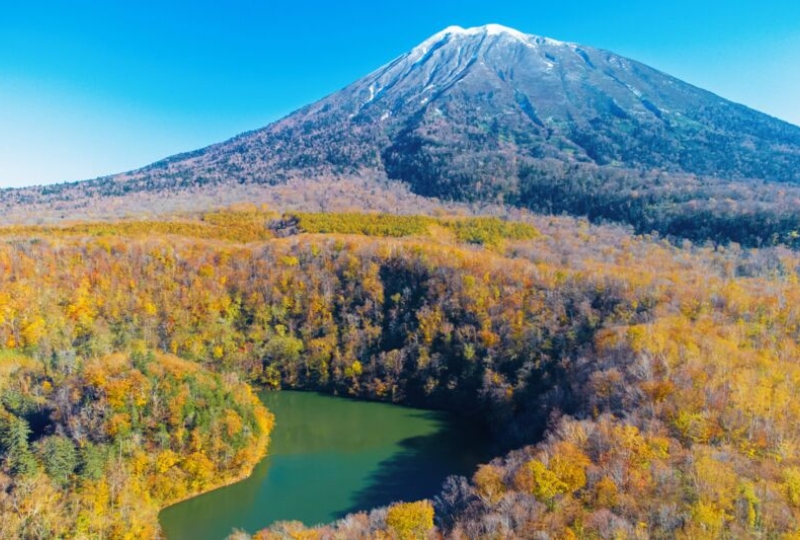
x=93, y=446
x=632, y=388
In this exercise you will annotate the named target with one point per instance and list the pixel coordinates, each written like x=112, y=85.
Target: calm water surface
x=330, y=456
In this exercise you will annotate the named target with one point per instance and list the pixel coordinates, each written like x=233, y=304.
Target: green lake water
x=330, y=456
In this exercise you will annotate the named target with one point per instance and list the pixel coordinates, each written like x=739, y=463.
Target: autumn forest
x=632, y=387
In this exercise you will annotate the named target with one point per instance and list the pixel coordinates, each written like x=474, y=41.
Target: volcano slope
x=489, y=116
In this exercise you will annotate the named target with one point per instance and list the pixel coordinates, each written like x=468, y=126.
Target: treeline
x=489, y=231
x=752, y=213
x=248, y=223
x=240, y=223
x=657, y=385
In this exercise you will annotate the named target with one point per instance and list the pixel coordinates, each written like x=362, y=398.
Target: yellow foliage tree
x=569, y=465
x=535, y=478
x=410, y=521
x=489, y=483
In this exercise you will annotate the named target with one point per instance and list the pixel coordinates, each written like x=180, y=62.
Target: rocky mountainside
x=482, y=101
x=491, y=114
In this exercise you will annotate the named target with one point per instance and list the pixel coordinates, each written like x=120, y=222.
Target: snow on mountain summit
x=489, y=30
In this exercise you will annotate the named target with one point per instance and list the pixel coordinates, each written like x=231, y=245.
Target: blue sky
x=92, y=88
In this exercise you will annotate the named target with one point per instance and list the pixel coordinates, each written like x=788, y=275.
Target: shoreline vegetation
x=117, y=439
x=635, y=388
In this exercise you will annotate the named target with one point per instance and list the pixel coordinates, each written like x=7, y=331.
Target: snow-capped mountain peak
x=488, y=30
x=469, y=108
x=499, y=29
x=486, y=34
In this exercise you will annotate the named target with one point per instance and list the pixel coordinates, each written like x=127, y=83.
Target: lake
x=331, y=456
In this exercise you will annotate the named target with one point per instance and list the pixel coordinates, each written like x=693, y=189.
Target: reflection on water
x=330, y=456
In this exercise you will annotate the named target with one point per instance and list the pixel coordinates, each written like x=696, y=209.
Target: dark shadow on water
x=419, y=469
x=325, y=462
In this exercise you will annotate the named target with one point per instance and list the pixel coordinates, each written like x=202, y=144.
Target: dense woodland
x=752, y=213
x=633, y=388
x=93, y=446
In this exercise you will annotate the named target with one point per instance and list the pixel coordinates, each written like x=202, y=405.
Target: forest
x=632, y=387
x=676, y=205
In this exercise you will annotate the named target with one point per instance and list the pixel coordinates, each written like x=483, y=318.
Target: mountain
x=482, y=99
x=490, y=114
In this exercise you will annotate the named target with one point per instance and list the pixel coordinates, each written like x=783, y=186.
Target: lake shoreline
x=330, y=457
x=264, y=442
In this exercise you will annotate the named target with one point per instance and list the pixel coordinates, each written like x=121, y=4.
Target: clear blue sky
x=92, y=88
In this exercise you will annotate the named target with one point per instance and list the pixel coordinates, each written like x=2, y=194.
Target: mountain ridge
x=492, y=115
x=397, y=89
